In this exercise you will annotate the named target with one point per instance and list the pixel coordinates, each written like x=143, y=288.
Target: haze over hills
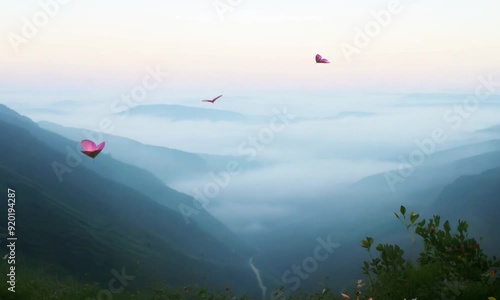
x=364, y=206
x=350, y=213
x=108, y=218
x=442, y=168
x=142, y=181
x=492, y=129
x=167, y=164
x=474, y=198
x=179, y=112
x=189, y=113
x=441, y=99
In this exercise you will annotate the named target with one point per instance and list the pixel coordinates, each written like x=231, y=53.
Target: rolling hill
x=475, y=198
x=102, y=216
x=184, y=113
x=167, y=164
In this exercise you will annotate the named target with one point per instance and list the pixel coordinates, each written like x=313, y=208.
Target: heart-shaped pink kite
x=321, y=60
x=90, y=148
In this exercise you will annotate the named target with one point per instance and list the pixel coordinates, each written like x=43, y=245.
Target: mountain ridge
x=88, y=205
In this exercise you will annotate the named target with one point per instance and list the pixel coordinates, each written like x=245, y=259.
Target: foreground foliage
x=451, y=266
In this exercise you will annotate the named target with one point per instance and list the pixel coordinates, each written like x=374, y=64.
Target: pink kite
x=321, y=60
x=90, y=149
x=213, y=100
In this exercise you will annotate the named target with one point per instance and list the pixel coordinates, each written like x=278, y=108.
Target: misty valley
x=149, y=218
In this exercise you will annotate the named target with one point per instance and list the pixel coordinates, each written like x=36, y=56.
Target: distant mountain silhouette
x=476, y=199
x=340, y=115
x=187, y=113
x=183, y=113
x=491, y=129
x=438, y=169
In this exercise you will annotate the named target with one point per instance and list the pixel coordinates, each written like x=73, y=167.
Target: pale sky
x=91, y=47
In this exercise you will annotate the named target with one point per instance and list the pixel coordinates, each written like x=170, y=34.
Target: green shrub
x=451, y=266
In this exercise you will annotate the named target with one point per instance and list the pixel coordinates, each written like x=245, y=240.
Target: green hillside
x=88, y=225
